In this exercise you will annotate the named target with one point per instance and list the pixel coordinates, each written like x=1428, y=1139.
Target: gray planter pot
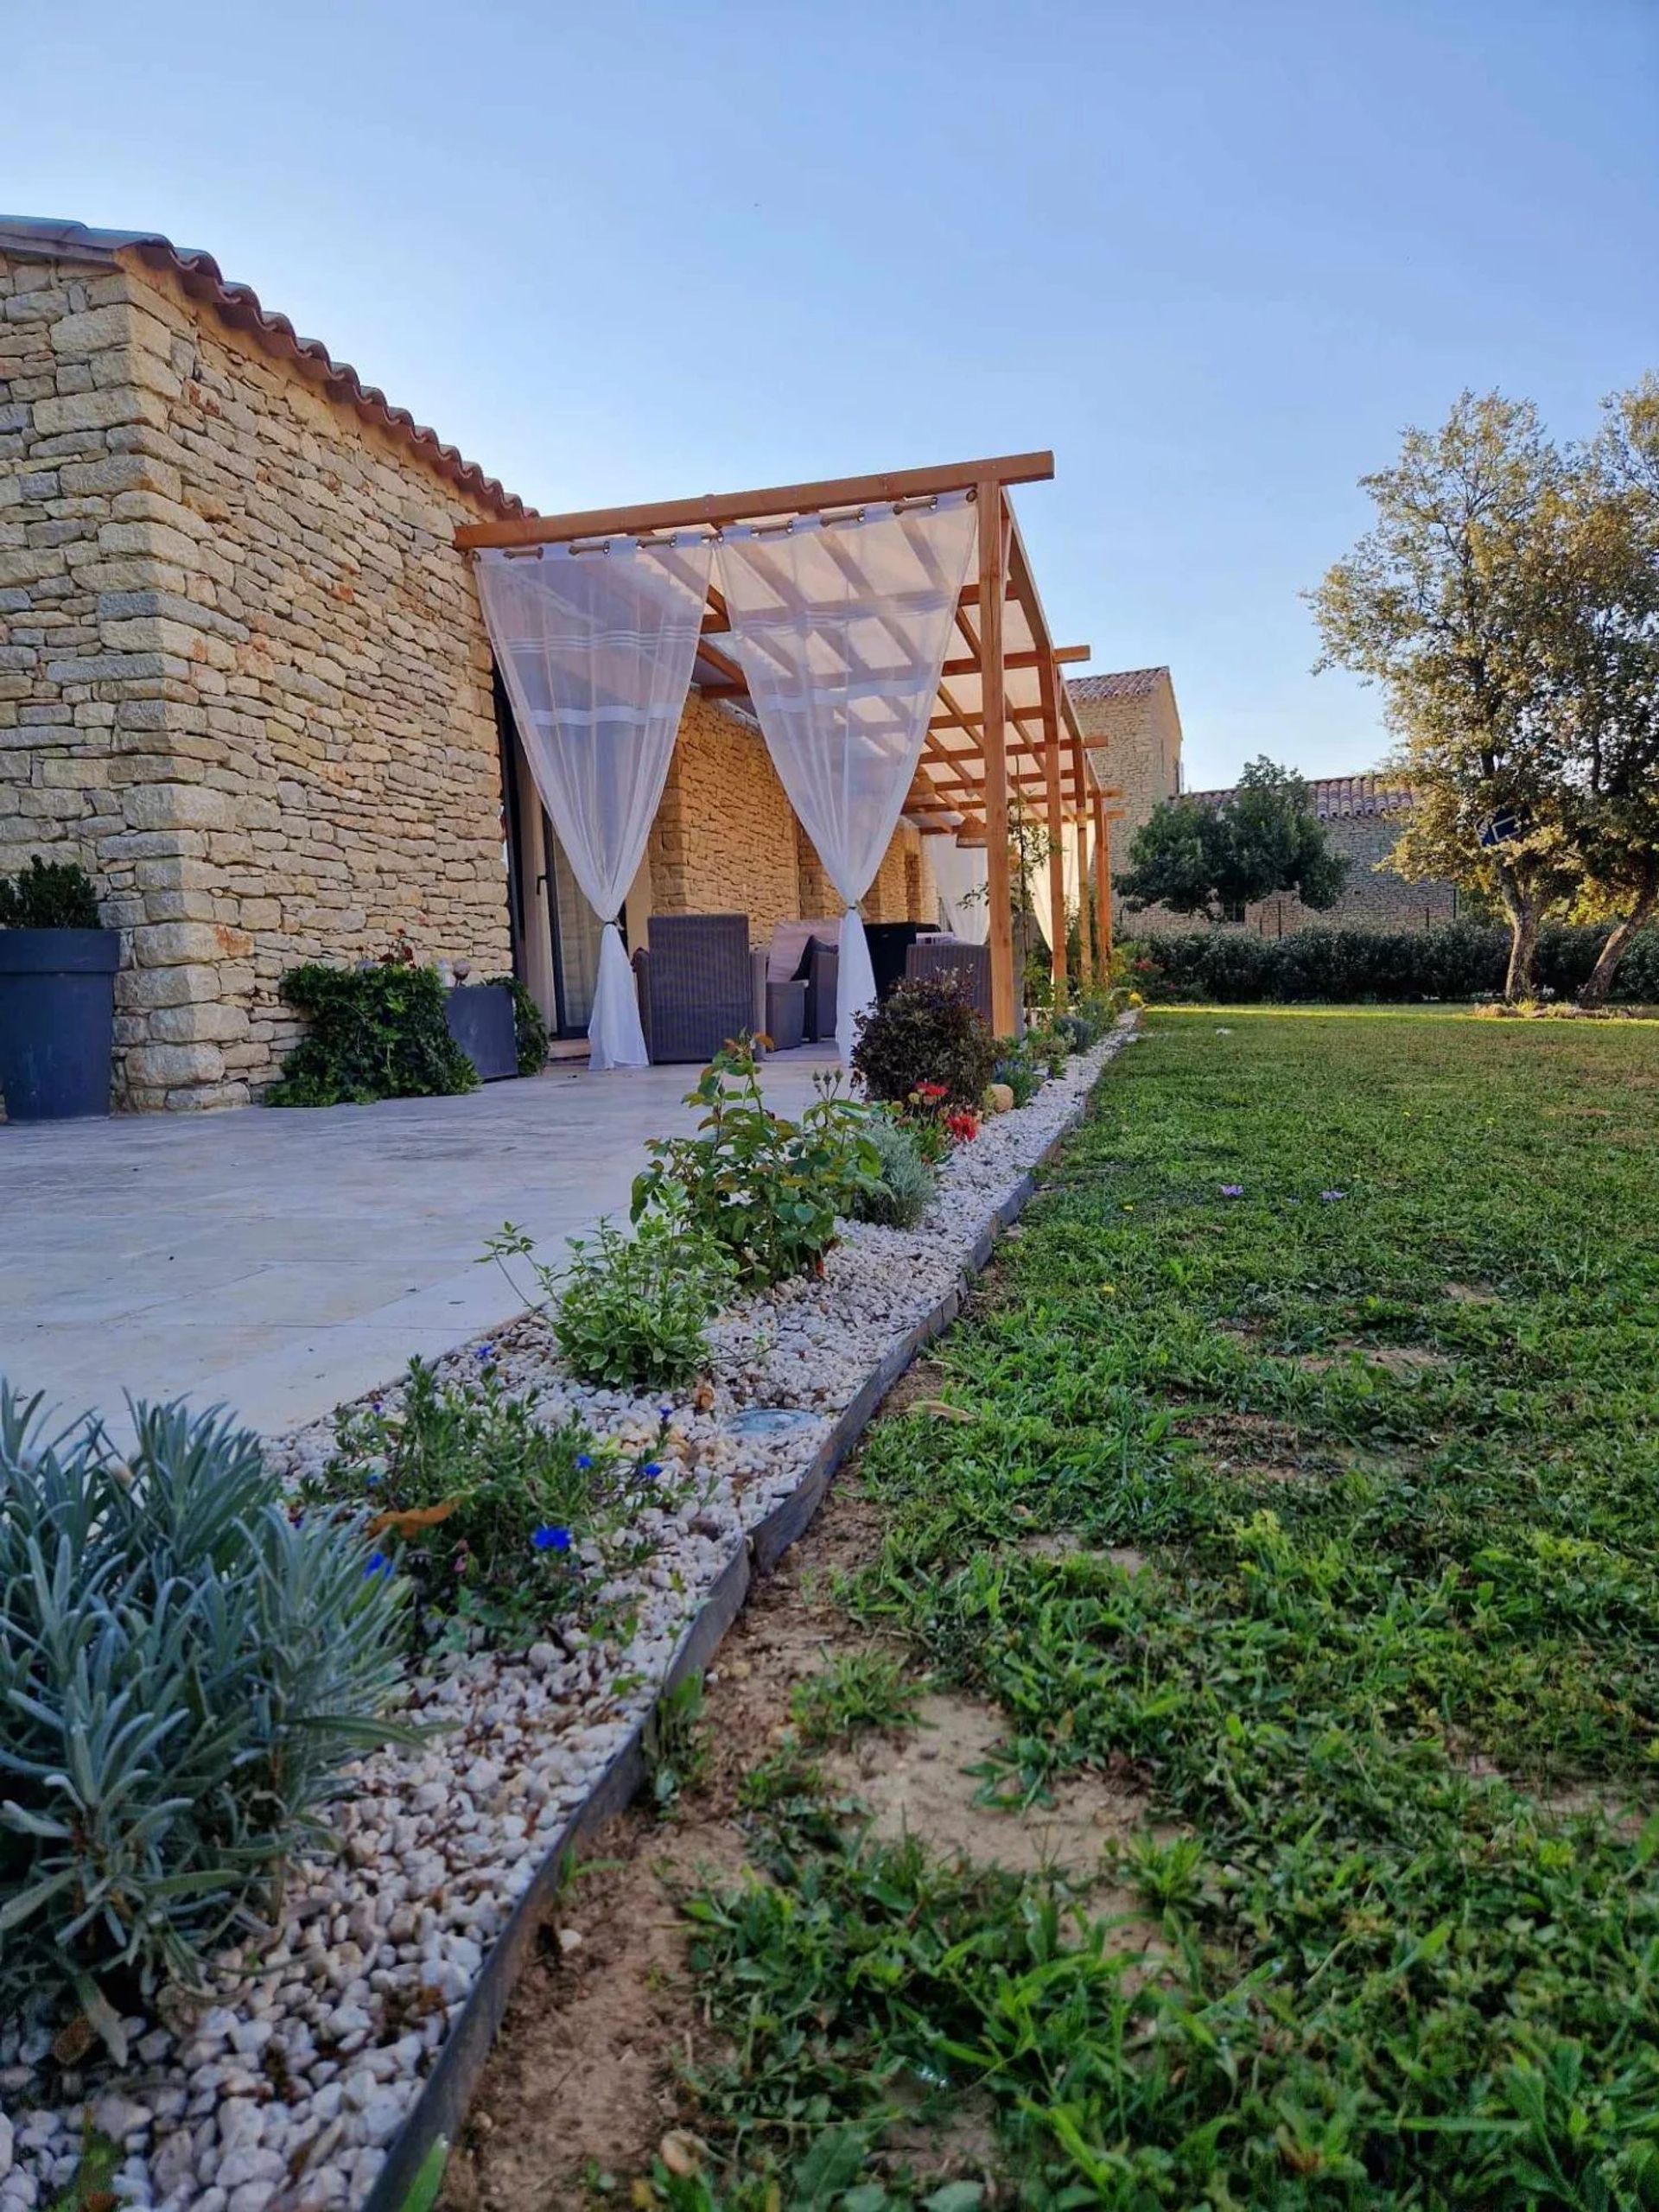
x=57, y=1021
x=479, y=1016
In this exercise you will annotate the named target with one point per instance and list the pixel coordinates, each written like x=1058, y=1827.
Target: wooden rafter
x=714, y=510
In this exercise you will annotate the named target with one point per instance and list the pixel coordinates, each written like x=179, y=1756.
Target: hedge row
x=1462, y=961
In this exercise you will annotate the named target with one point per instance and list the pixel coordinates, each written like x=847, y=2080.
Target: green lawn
x=1391, y=1676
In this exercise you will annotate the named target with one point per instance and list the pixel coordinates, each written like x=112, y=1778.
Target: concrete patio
x=279, y=1261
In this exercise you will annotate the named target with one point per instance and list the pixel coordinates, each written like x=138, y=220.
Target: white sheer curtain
x=1036, y=880
x=597, y=650
x=840, y=629
x=960, y=871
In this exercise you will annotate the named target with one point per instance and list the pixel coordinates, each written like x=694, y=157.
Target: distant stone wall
x=243, y=675
x=1369, y=899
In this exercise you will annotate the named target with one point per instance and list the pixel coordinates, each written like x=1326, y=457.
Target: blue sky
x=1216, y=253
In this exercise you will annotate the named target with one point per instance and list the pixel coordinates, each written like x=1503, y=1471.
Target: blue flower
x=650, y=1471
x=549, y=1539
x=484, y=1351
x=1232, y=1189
x=371, y=1478
x=378, y=1564
x=584, y=1460
x=664, y=1413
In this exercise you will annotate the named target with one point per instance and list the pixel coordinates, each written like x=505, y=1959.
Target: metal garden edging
x=444, y=2102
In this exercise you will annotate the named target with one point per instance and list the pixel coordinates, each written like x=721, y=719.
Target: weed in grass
x=676, y=1746
x=860, y=1691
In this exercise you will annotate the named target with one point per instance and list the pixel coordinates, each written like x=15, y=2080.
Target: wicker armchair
x=801, y=958
x=696, y=979
x=823, y=990
x=934, y=959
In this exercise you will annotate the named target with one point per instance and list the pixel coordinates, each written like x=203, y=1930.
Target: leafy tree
x=1505, y=600
x=1606, y=662
x=1196, y=858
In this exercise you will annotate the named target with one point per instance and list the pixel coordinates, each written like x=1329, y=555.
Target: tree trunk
x=1523, y=947
x=1593, y=993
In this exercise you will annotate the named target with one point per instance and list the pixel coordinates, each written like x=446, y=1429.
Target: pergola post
x=993, y=585
x=1085, y=930
x=1055, y=820
x=1103, y=885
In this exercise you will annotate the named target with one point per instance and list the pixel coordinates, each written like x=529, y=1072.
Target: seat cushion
x=790, y=951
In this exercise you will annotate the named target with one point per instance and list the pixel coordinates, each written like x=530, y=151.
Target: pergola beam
x=714, y=510
x=992, y=590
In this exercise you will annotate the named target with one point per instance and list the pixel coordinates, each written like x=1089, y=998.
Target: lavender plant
x=185, y=1673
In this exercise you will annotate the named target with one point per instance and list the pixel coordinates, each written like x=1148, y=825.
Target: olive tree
x=1505, y=599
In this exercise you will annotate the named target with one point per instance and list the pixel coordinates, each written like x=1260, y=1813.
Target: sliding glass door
x=575, y=930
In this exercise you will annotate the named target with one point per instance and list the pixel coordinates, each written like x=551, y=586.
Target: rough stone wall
x=725, y=839
x=243, y=675
x=1369, y=899
x=889, y=899
x=1136, y=743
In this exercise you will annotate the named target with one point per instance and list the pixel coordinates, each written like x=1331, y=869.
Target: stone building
x=1132, y=719
x=1362, y=817
x=1133, y=730
x=244, y=677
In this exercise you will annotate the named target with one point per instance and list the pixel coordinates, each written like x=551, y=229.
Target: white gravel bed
x=280, y=2092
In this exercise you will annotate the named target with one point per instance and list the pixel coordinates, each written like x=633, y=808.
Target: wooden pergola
x=1003, y=737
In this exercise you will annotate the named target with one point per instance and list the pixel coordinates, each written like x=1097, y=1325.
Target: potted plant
x=57, y=993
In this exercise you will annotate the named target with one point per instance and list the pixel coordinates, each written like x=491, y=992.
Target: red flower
x=963, y=1124
x=930, y=1091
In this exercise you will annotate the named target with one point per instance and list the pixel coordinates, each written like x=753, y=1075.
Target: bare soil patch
x=1393, y=1359
x=931, y=1783
x=1060, y=1543
x=583, y=2070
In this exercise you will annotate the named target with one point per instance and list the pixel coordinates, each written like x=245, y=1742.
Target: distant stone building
x=1362, y=817
x=1133, y=731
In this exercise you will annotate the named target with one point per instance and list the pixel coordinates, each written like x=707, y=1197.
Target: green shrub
x=376, y=1032
x=480, y=1504
x=767, y=1188
x=631, y=1313
x=904, y=1182
x=923, y=1032
x=529, y=1030
x=1081, y=1030
x=1460, y=961
x=48, y=895
x=185, y=1671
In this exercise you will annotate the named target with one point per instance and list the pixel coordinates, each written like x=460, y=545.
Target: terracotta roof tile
x=1337, y=795
x=238, y=306
x=1121, y=683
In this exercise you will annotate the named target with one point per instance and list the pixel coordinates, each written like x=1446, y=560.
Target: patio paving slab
x=277, y=1263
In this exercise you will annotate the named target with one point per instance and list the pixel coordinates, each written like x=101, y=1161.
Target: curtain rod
x=714, y=533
